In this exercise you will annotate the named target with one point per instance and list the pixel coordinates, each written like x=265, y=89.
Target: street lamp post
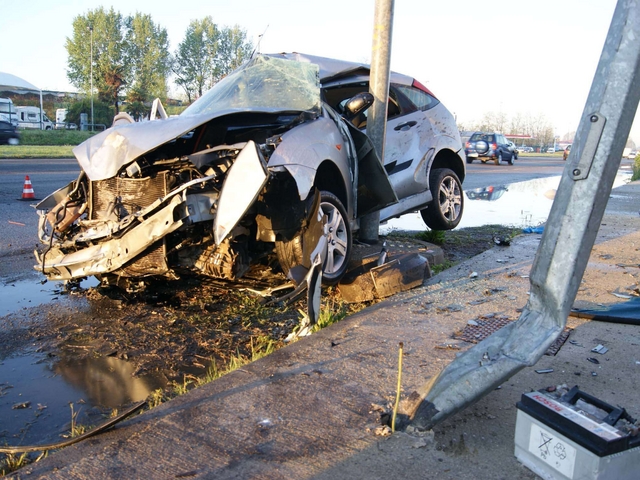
x=91, y=30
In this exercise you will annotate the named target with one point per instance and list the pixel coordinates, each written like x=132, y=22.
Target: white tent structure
x=11, y=83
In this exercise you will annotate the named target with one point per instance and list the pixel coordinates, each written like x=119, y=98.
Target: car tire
x=469, y=160
x=445, y=209
x=512, y=158
x=13, y=141
x=339, y=242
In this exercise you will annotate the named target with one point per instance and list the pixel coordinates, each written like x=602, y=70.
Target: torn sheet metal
x=566, y=243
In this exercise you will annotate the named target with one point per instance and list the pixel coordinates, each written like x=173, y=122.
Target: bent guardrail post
x=568, y=238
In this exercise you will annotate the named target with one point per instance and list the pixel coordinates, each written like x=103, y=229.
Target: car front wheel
x=339, y=241
x=445, y=210
x=13, y=141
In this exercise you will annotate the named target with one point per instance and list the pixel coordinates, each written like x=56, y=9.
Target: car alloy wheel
x=498, y=158
x=445, y=209
x=339, y=242
x=13, y=141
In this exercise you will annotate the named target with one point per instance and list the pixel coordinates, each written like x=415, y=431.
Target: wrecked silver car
x=271, y=166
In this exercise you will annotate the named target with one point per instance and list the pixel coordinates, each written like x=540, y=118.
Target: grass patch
x=437, y=237
x=36, y=151
x=53, y=137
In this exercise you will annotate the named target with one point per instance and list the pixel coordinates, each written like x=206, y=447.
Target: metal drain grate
x=487, y=326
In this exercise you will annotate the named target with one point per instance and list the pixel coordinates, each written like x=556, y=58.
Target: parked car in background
x=8, y=134
x=565, y=152
x=272, y=166
x=490, y=146
x=525, y=149
x=551, y=150
x=632, y=154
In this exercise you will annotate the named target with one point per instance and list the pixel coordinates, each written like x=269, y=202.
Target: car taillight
x=467, y=145
x=494, y=146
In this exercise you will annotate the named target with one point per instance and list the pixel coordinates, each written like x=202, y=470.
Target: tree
x=207, y=54
x=102, y=30
x=147, y=53
x=193, y=61
x=233, y=51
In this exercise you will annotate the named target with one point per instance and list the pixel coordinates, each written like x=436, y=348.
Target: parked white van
x=29, y=117
x=8, y=112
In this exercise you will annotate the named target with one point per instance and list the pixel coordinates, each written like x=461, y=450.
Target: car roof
x=333, y=71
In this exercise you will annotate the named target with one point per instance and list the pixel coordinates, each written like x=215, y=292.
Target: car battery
x=569, y=434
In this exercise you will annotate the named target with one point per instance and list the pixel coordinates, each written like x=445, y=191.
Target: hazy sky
x=529, y=57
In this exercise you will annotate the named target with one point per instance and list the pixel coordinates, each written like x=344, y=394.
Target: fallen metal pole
x=568, y=237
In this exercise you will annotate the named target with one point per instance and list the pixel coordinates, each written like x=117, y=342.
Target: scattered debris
x=601, y=349
x=473, y=275
x=545, y=370
x=539, y=229
x=21, y=405
x=593, y=360
x=479, y=302
x=448, y=346
x=371, y=280
x=502, y=240
x=576, y=343
x=382, y=431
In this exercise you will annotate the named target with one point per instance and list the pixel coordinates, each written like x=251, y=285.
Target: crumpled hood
x=103, y=155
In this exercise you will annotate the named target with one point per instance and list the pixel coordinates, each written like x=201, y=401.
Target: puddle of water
x=15, y=296
x=522, y=204
x=46, y=386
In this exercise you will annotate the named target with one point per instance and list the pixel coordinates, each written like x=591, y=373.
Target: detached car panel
x=263, y=166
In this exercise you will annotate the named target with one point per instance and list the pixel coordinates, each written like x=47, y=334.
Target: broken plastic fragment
x=601, y=349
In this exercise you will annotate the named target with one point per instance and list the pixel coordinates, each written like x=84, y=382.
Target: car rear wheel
x=498, y=159
x=339, y=241
x=512, y=158
x=445, y=210
x=469, y=160
x=13, y=141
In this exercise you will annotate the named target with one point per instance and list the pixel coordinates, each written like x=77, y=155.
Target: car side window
x=420, y=99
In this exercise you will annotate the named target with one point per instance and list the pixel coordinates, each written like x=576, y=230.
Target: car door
x=407, y=141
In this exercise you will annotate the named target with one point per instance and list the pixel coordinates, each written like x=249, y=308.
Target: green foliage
x=207, y=54
x=437, y=237
x=130, y=55
x=103, y=112
x=35, y=151
x=12, y=462
x=98, y=36
x=636, y=169
x=147, y=51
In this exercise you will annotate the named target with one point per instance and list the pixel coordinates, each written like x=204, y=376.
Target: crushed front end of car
x=206, y=193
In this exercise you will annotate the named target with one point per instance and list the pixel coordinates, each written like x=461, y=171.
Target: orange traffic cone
x=27, y=190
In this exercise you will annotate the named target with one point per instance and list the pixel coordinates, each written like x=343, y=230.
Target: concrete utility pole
x=91, y=31
x=379, y=87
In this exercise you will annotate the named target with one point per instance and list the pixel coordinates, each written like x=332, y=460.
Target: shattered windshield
x=264, y=83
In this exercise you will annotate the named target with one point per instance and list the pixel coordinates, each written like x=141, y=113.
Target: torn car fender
x=304, y=148
x=242, y=185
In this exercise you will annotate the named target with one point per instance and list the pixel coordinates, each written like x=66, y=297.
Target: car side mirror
x=357, y=104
